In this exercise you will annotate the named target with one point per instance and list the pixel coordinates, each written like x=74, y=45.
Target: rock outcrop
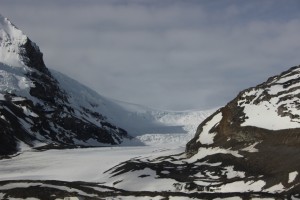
x=250, y=148
x=268, y=114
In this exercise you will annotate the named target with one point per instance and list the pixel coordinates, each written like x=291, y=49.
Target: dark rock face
x=33, y=57
x=38, y=112
x=265, y=117
x=53, y=190
x=279, y=92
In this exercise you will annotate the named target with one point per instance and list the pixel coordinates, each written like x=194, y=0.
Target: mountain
x=249, y=148
x=137, y=120
x=42, y=108
x=149, y=126
x=266, y=114
x=34, y=109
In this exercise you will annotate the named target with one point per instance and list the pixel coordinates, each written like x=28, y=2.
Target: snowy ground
x=88, y=164
x=74, y=164
x=162, y=132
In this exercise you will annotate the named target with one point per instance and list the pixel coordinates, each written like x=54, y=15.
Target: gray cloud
x=164, y=54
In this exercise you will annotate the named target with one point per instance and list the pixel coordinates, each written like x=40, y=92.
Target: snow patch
x=230, y=173
x=203, y=152
x=28, y=198
x=11, y=39
x=265, y=115
x=135, y=198
x=18, y=185
x=29, y=112
x=72, y=198
x=292, y=176
x=273, y=105
x=3, y=117
x=23, y=147
x=276, y=188
x=241, y=186
x=206, y=136
x=251, y=148
x=231, y=198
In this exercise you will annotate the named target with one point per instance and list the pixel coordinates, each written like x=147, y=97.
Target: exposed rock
x=250, y=147
x=34, y=108
x=267, y=117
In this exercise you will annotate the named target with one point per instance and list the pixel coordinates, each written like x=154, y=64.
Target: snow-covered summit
x=17, y=50
x=35, y=109
x=12, y=41
x=13, y=70
x=11, y=30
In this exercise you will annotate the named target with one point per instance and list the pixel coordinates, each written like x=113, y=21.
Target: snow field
x=73, y=164
x=266, y=113
x=135, y=119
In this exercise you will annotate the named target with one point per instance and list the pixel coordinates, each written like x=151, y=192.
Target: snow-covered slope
x=150, y=126
x=271, y=109
x=248, y=149
x=274, y=105
x=11, y=41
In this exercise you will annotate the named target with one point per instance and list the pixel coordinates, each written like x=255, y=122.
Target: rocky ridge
x=268, y=112
x=35, y=109
x=250, y=147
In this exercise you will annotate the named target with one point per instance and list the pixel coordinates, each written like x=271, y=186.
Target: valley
x=61, y=140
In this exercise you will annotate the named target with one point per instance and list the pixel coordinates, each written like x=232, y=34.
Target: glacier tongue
x=168, y=139
x=137, y=120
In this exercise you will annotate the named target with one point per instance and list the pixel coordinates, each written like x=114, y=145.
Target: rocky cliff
x=34, y=109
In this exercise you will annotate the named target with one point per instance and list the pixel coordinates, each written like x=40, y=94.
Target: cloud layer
x=163, y=54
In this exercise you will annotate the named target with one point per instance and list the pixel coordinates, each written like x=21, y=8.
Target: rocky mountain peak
x=17, y=49
x=35, y=109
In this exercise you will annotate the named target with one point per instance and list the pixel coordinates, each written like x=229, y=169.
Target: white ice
x=137, y=120
x=265, y=115
x=206, y=137
x=73, y=164
x=292, y=176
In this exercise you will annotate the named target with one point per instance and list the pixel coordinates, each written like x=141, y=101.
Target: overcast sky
x=172, y=55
